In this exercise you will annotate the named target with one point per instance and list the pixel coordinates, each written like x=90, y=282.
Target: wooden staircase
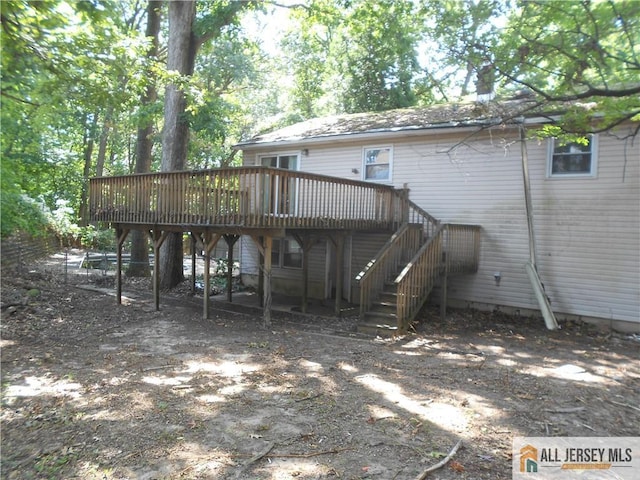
x=396, y=283
x=382, y=317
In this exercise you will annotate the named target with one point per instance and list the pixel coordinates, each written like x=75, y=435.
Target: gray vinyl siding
x=587, y=230
x=589, y=234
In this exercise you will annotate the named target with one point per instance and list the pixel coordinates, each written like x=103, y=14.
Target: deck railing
x=398, y=249
x=249, y=197
x=418, y=226
x=418, y=278
x=453, y=248
x=463, y=248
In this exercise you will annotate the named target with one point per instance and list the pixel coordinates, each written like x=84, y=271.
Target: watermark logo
x=528, y=459
x=539, y=458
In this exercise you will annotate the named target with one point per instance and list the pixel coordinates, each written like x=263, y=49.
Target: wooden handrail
x=404, y=242
x=247, y=197
x=386, y=263
x=463, y=248
x=417, y=279
x=418, y=215
x=454, y=247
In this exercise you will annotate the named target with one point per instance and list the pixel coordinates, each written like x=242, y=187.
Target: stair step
x=384, y=307
x=382, y=329
x=387, y=298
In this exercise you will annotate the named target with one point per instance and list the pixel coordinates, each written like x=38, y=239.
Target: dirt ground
x=93, y=390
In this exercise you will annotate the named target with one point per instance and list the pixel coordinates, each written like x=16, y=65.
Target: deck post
x=231, y=241
x=443, y=294
x=209, y=242
x=339, y=272
x=268, y=246
x=121, y=235
x=261, y=274
x=305, y=244
x=193, y=263
x=157, y=238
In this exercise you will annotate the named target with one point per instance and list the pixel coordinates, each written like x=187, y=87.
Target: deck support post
x=157, y=239
x=260, y=271
x=209, y=241
x=265, y=247
x=194, y=244
x=306, y=243
x=231, y=241
x=339, y=272
x=121, y=235
x=443, y=290
x=268, y=247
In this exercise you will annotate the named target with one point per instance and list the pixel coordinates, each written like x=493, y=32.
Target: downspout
x=531, y=267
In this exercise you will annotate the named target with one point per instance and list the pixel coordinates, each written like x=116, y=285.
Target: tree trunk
x=104, y=138
x=139, y=265
x=88, y=143
x=175, y=137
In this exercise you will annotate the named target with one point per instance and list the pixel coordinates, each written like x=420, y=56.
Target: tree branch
x=441, y=463
x=21, y=100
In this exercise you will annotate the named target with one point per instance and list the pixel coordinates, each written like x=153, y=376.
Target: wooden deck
x=266, y=203
x=245, y=199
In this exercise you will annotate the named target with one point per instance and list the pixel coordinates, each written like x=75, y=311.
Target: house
x=463, y=164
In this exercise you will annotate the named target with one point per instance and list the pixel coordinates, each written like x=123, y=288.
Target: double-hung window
x=573, y=159
x=377, y=162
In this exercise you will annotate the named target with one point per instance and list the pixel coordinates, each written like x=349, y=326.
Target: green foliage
x=93, y=238
x=73, y=74
x=224, y=65
x=461, y=36
x=355, y=56
x=580, y=56
x=68, y=74
x=21, y=214
x=576, y=51
x=379, y=49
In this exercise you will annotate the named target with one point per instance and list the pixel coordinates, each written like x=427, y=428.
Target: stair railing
x=463, y=248
x=416, y=215
x=453, y=248
x=416, y=225
x=386, y=263
x=409, y=212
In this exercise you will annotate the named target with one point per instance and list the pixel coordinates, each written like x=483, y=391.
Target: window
x=286, y=253
x=290, y=162
x=377, y=163
x=280, y=190
x=291, y=254
x=572, y=159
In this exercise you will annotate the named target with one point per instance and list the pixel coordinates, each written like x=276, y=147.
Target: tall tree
x=139, y=265
x=380, y=44
x=460, y=36
x=66, y=66
x=187, y=32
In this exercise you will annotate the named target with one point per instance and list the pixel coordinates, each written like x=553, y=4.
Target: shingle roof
x=436, y=116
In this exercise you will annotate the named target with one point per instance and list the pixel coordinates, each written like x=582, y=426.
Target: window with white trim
x=567, y=159
x=377, y=162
